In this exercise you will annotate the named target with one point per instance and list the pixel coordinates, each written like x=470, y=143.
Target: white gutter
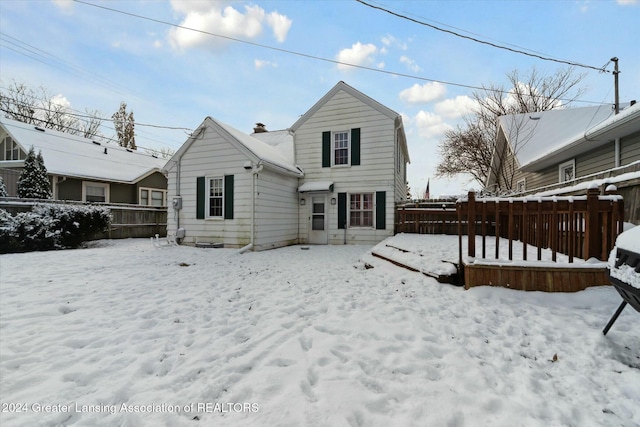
x=255, y=170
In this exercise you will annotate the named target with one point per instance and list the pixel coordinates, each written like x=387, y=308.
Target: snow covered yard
x=126, y=334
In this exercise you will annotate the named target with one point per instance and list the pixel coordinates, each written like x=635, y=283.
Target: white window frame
x=333, y=149
x=86, y=184
x=208, y=197
x=372, y=210
x=14, y=148
x=150, y=190
x=522, y=181
x=563, y=166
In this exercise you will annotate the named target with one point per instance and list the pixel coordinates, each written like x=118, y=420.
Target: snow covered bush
x=3, y=189
x=49, y=226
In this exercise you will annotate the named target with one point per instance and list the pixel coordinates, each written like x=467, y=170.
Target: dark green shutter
x=228, y=197
x=355, y=147
x=200, y=197
x=342, y=210
x=381, y=203
x=326, y=149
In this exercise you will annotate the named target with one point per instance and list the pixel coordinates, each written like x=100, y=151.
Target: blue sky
x=95, y=58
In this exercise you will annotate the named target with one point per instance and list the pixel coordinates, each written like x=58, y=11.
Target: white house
x=333, y=177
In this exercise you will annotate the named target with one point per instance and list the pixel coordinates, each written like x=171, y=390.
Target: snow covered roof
x=281, y=140
x=316, y=186
x=545, y=138
x=74, y=156
x=255, y=148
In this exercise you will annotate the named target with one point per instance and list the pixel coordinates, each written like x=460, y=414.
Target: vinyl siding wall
x=276, y=210
x=376, y=172
x=591, y=162
x=630, y=149
x=211, y=156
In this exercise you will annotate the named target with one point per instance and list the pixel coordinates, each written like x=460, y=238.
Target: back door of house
x=318, y=233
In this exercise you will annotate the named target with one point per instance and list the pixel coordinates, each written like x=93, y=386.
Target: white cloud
x=65, y=5
x=261, y=63
x=358, y=54
x=390, y=41
x=430, y=125
x=627, y=2
x=61, y=101
x=455, y=107
x=423, y=93
x=280, y=25
x=410, y=63
x=213, y=18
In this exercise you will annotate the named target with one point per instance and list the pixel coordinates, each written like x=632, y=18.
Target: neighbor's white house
x=333, y=177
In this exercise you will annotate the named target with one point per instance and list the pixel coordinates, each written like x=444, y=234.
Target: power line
x=296, y=53
x=110, y=119
x=76, y=136
x=20, y=47
x=544, y=58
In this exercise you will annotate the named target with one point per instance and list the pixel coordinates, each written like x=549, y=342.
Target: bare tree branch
x=469, y=149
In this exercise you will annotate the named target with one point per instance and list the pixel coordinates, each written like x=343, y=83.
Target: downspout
x=254, y=176
x=617, y=152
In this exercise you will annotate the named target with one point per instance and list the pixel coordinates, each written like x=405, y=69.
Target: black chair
x=629, y=294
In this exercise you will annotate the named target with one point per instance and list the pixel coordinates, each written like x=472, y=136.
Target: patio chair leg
x=614, y=318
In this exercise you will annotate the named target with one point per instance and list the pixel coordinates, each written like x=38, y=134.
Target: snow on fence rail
x=578, y=226
x=127, y=220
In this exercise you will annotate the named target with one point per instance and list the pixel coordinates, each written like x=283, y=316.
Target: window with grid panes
x=361, y=210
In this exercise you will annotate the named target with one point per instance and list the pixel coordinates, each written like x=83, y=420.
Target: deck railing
x=577, y=226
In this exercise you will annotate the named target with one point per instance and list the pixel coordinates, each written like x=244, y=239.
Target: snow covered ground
x=123, y=333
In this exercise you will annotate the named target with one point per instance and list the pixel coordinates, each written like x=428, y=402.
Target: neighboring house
x=333, y=177
x=81, y=169
x=538, y=150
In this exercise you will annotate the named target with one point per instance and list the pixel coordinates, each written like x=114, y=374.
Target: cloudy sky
x=270, y=61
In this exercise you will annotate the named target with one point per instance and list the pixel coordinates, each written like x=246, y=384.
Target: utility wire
x=78, y=114
x=544, y=58
x=18, y=46
x=296, y=53
x=75, y=137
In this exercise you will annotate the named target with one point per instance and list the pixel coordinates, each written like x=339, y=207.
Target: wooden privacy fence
x=127, y=221
x=578, y=226
x=430, y=220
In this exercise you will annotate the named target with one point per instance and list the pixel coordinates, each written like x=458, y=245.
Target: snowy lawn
x=127, y=334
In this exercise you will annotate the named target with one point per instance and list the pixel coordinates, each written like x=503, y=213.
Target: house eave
x=351, y=91
x=626, y=123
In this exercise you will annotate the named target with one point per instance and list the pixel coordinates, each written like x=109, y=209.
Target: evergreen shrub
x=50, y=226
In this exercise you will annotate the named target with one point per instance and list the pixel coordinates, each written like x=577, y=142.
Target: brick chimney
x=260, y=128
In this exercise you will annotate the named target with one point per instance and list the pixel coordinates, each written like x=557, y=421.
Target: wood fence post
x=471, y=223
x=592, y=225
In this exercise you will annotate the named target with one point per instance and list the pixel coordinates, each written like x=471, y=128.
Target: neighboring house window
x=11, y=150
x=340, y=148
x=153, y=197
x=361, y=210
x=567, y=171
x=215, y=198
x=521, y=185
x=95, y=192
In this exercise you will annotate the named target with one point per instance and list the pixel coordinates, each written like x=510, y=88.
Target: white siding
x=276, y=210
x=376, y=172
x=211, y=155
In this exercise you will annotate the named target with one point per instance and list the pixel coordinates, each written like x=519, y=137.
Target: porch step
x=446, y=273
